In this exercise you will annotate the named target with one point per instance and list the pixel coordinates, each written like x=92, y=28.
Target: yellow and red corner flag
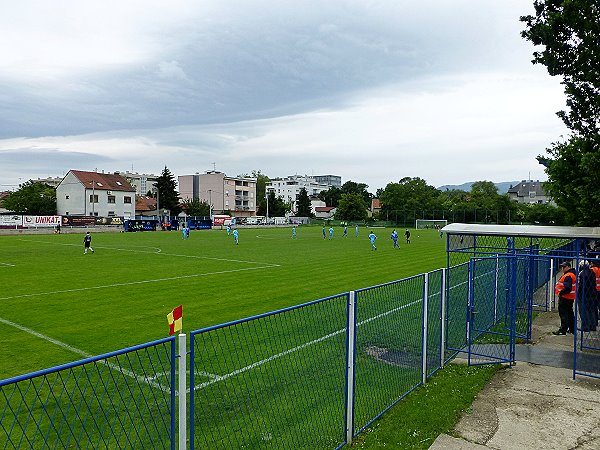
x=175, y=320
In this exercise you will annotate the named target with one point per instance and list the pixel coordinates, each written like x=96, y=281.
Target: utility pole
x=93, y=197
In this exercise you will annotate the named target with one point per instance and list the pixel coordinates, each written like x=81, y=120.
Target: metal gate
x=492, y=310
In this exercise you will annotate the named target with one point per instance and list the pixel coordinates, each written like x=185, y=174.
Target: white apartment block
x=289, y=188
x=142, y=182
x=234, y=194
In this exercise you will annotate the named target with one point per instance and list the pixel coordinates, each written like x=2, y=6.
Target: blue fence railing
x=121, y=399
x=304, y=377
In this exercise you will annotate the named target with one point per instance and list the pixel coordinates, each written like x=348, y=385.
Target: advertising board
x=41, y=221
x=11, y=221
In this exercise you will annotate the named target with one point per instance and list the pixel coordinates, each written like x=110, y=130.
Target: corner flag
x=175, y=320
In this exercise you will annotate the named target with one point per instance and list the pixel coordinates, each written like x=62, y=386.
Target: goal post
x=428, y=223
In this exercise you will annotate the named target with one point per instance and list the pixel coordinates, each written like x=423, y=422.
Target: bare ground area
x=532, y=406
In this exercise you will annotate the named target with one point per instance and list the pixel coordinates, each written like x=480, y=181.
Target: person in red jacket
x=565, y=289
x=595, y=266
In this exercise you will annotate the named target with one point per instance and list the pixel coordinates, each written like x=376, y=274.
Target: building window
x=111, y=214
x=111, y=199
x=126, y=199
x=93, y=198
x=66, y=197
x=531, y=194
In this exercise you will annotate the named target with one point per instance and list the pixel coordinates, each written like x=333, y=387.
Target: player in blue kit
x=330, y=233
x=235, y=236
x=394, y=237
x=372, y=238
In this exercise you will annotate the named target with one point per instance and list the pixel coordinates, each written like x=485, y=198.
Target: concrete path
x=532, y=406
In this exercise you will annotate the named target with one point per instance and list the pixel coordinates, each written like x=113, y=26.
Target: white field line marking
x=156, y=251
x=6, y=264
x=295, y=349
x=131, y=283
x=79, y=352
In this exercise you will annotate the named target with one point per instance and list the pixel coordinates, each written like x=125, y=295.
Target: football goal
x=427, y=223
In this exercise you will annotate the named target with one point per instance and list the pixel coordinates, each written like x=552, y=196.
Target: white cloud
x=372, y=91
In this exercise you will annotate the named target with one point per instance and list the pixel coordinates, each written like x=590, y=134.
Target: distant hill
x=503, y=186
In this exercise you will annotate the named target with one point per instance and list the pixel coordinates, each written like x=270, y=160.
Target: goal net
x=428, y=223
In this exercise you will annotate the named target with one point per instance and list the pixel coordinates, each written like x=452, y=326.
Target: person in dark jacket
x=586, y=298
x=565, y=289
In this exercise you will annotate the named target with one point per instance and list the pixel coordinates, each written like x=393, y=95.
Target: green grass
x=120, y=296
x=431, y=409
x=59, y=305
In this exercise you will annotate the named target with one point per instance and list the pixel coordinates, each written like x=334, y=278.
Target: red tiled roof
x=103, y=181
x=145, y=203
x=324, y=208
x=375, y=203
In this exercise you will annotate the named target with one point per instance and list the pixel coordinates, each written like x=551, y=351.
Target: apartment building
x=234, y=195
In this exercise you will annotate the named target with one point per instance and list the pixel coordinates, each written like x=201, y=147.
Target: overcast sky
x=371, y=90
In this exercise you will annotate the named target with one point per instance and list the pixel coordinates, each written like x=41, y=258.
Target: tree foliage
x=568, y=32
x=168, y=197
x=303, y=208
x=331, y=197
x=277, y=207
x=408, y=194
x=32, y=198
x=351, y=207
x=196, y=207
x=350, y=187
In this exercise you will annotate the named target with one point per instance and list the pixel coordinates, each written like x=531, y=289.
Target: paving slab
x=533, y=406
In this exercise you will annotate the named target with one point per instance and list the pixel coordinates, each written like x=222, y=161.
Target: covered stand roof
x=537, y=231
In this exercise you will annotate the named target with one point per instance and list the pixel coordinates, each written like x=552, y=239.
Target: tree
x=32, y=198
x=351, y=207
x=303, y=207
x=409, y=194
x=168, y=197
x=196, y=207
x=331, y=196
x=569, y=32
x=350, y=187
x=277, y=207
x=573, y=177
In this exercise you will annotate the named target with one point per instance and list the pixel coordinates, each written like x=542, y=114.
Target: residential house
x=145, y=206
x=95, y=194
x=529, y=191
x=325, y=212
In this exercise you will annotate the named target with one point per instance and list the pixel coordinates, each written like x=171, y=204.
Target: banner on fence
x=78, y=221
x=11, y=221
x=41, y=221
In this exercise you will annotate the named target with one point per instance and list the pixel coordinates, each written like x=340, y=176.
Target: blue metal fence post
x=172, y=399
x=443, y=317
x=424, y=334
x=350, y=365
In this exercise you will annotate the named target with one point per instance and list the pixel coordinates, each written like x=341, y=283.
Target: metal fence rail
x=121, y=399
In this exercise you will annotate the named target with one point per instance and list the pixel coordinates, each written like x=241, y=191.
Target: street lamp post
x=267, y=197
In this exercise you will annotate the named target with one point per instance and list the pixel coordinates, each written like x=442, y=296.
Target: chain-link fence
x=117, y=400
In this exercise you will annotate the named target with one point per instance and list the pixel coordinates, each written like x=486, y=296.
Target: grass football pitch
x=59, y=305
